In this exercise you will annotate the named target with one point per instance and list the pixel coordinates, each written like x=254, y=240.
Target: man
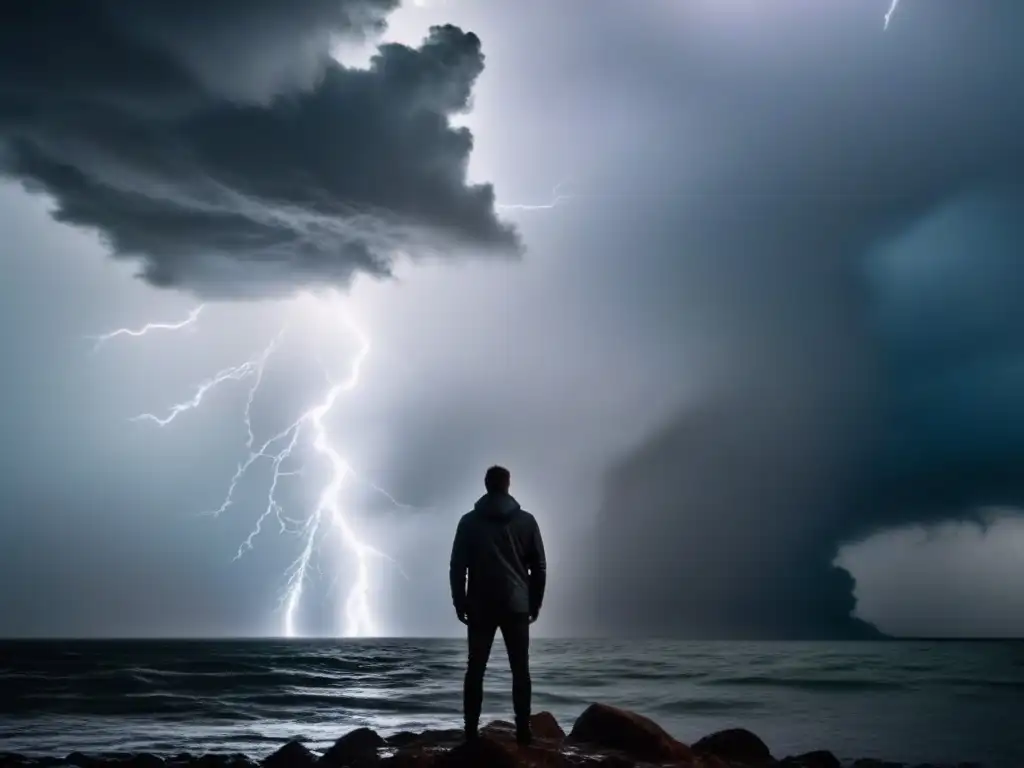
x=498, y=545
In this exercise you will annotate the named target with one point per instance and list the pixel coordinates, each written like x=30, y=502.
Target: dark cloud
x=950, y=328
x=222, y=147
x=850, y=216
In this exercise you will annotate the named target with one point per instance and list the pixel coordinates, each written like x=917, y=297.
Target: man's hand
x=462, y=614
x=533, y=616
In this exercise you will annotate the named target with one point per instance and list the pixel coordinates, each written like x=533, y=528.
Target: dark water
x=912, y=702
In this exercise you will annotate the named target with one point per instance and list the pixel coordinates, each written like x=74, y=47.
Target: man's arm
x=458, y=568
x=538, y=566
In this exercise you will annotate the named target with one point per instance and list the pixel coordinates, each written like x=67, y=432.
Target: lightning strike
x=279, y=451
x=888, y=15
x=557, y=199
x=193, y=316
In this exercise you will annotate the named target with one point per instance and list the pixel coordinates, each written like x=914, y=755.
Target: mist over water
x=939, y=702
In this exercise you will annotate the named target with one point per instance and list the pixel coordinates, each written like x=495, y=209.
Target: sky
x=729, y=286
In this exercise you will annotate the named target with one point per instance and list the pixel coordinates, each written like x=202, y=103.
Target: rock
x=634, y=734
x=543, y=725
x=82, y=761
x=818, y=759
x=477, y=754
x=355, y=746
x=735, y=745
x=485, y=752
x=870, y=762
x=294, y=754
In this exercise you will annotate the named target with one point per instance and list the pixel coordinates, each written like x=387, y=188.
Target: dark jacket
x=499, y=546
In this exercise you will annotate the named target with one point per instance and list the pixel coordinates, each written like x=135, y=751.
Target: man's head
x=497, y=480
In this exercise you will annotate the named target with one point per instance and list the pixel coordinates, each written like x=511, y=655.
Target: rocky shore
x=601, y=736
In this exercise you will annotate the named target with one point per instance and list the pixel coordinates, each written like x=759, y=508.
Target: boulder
x=294, y=754
x=355, y=746
x=735, y=745
x=543, y=725
x=478, y=753
x=620, y=729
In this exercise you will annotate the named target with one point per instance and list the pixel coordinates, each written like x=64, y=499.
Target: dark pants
x=515, y=630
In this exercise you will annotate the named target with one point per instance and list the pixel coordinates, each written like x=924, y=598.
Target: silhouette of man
x=498, y=545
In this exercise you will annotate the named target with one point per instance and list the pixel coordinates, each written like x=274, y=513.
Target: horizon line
x=336, y=639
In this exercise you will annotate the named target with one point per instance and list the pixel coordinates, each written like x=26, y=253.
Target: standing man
x=498, y=545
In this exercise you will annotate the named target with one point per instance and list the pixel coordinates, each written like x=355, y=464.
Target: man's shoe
x=524, y=735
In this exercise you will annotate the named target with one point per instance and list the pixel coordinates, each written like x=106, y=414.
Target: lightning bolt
x=892, y=9
x=557, y=198
x=193, y=316
x=279, y=451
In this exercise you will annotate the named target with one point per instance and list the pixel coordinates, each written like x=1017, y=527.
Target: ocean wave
x=170, y=697
x=808, y=683
x=699, y=706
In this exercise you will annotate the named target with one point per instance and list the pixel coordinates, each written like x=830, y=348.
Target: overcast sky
x=756, y=372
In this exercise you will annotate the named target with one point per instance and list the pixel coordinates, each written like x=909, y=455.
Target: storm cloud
x=851, y=214
x=223, y=148
x=775, y=321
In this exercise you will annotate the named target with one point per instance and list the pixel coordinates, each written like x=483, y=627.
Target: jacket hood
x=496, y=505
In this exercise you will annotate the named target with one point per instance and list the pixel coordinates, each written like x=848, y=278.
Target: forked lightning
x=328, y=514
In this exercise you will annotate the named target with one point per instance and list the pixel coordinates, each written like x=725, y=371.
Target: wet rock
x=620, y=729
x=294, y=754
x=870, y=762
x=478, y=753
x=355, y=747
x=818, y=759
x=543, y=725
x=485, y=752
x=735, y=745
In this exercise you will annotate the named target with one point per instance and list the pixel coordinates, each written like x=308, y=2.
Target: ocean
x=913, y=702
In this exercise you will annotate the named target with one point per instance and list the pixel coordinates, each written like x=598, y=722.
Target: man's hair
x=497, y=480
